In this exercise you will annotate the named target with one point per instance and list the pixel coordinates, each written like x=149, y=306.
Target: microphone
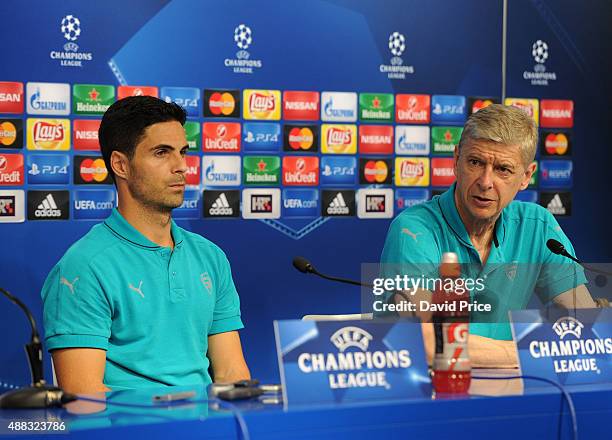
x=39, y=395
x=305, y=266
x=601, y=280
x=556, y=247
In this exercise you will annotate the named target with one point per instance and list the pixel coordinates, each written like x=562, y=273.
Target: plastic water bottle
x=451, y=363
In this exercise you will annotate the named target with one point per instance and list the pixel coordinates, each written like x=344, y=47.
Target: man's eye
x=184, y=152
x=160, y=153
x=474, y=162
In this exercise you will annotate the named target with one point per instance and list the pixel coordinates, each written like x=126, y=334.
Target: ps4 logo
x=35, y=170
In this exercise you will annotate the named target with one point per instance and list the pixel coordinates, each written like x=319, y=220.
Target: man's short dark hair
x=124, y=123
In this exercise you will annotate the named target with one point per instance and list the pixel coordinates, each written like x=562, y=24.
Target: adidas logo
x=221, y=206
x=555, y=206
x=338, y=206
x=48, y=208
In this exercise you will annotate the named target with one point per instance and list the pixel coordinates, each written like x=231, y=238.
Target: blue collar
x=123, y=229
x=446, y=202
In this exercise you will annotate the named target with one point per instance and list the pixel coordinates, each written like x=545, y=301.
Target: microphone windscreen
x=555, y=246
x=302, y=264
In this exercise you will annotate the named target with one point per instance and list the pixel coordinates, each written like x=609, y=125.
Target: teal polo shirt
x=151, y=308
x=518, y=265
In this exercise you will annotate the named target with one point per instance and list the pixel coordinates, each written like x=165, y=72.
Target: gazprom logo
x=339, y=106
x=568, y=326
x=351, y=337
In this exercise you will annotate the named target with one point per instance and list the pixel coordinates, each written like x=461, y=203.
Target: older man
x=496, y=239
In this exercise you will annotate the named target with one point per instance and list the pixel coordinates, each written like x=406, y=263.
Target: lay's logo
x=48, y=134
x=339, y=139
x=411, y=171
x=529, y=106
x=262, y=104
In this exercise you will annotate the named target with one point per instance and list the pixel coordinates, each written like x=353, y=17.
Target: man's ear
x=456, y=159
x=530, y=170
x=119, y=163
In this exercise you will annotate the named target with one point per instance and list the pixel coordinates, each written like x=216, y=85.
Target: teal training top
x=151, y=308
x=518, y=265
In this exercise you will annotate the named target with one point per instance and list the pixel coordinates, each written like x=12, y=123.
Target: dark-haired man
x=138, y=301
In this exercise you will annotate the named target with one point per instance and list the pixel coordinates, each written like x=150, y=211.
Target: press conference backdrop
x=387, y=85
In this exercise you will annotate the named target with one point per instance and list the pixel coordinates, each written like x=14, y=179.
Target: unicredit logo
x=44, y=131
x=336, y=136
x=261, y=103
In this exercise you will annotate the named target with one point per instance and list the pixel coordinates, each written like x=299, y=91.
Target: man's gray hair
x=504, y=125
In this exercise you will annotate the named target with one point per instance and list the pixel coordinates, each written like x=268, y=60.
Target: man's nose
x=180, y=165
x=485, y=180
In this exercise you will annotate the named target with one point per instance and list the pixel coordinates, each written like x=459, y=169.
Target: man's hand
x=580, y=297
x=80, y=370
x=226, y=358
x=484, y=352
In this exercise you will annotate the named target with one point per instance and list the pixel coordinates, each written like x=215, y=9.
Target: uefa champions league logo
x=243, y=36
x=539, y=76
x=395, y=69
x=351, y=337
x=568, y=325
x=539, y=51
x=397, y=44
x=71, y=27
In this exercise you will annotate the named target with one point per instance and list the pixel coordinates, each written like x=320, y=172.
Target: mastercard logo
x=8, y=133
x=93, y=170
x=222, y=103
x=301, y=138
x=376, y=171
x=556, y=143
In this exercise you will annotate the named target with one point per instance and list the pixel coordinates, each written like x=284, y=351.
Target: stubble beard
x=153, y=199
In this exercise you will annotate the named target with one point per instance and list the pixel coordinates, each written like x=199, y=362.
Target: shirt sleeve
x=411, y=250
x=226, y=316
x=558, y=273
x=76, y=311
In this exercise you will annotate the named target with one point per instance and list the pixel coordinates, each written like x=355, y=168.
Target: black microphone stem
x=342, y=280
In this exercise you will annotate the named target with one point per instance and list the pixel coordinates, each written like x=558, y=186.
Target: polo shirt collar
x=453, y=219
x=121, y=227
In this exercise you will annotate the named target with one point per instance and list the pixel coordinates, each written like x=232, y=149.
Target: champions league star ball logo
x=397, y=44
x=539, y=51
x=71, y=27
x=539, y=76
x=71, y=55
x=395, y=69
x=243, y=36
